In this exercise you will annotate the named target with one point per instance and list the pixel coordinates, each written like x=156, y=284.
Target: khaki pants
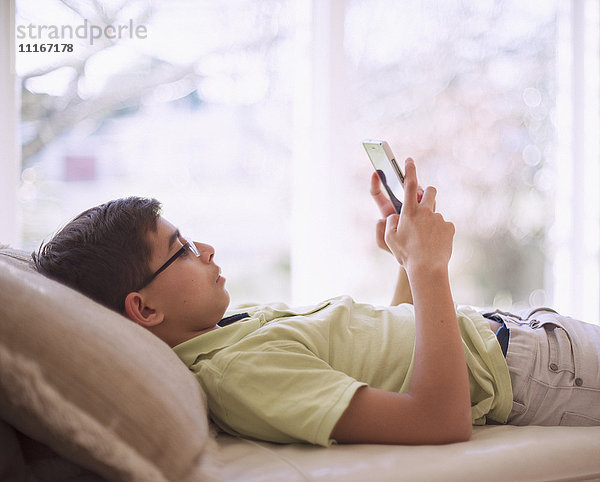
x=554, y=364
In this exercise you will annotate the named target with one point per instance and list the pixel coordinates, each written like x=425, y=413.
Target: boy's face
x=190, y=292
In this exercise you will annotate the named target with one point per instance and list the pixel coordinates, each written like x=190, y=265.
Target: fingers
x=391, y=223
x=429, y=198
x=380, y=234
x=413, y=193
x=383, y=203
x=451, y=228
x=375, y=184
x=411, y=185
x=391, y=230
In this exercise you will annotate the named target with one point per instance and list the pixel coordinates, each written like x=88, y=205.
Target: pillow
x=94, y=386
x=17, y=257
x=12, y=464
x=44, y=464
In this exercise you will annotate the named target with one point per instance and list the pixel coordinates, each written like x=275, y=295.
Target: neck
x=174, y=339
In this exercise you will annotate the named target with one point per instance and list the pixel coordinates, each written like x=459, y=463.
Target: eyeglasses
x=188, y=247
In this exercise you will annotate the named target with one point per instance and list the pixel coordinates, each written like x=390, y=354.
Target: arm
x=402, y=292
x=437, y=407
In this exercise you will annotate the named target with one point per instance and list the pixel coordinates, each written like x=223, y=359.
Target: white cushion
x=494, y=453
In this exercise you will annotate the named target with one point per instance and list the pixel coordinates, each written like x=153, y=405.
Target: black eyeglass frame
x=187, y=246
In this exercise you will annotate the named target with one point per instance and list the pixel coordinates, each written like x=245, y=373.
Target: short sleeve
x=282, y=393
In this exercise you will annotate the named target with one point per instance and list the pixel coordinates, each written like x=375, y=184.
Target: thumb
x=391, y=223
x=380, y=235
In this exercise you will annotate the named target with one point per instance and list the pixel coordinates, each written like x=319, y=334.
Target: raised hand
x=385, y=208
x=419, y=238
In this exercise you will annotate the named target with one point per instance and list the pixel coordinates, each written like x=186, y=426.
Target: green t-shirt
x=287, y=374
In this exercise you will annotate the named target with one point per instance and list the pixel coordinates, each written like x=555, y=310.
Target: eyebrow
x=174, y=237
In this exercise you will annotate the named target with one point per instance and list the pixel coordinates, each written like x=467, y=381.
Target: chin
x=227, y=300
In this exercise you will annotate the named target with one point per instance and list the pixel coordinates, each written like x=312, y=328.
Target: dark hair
x=104, y=252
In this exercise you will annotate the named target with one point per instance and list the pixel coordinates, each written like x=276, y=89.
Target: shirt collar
x=191, y=350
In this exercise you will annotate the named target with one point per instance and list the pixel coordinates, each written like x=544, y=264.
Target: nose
x=207, y=252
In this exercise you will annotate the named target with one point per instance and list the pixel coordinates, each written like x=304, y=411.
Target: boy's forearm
x=402, y=293
x=440, y=376
x=437, y=407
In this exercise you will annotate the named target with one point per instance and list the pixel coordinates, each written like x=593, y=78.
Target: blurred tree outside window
x=199, y=115
x=468, y=90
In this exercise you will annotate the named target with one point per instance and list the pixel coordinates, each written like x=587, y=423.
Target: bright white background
x=245, y=119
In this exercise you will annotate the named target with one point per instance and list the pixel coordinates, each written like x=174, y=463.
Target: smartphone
x=387, y=169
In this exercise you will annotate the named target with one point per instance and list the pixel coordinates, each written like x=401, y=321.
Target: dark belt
x=503, y=333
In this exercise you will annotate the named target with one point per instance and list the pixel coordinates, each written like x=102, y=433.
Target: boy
x=419, y=372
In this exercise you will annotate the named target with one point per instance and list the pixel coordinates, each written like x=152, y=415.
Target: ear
x=138, y=310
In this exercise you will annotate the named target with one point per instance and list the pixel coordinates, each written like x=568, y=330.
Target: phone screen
x=389, y=172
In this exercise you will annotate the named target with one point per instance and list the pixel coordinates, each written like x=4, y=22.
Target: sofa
x=87, y=395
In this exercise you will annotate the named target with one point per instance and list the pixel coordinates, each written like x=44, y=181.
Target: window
x=469, y=90
x=195, y=112
x=245, y=118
